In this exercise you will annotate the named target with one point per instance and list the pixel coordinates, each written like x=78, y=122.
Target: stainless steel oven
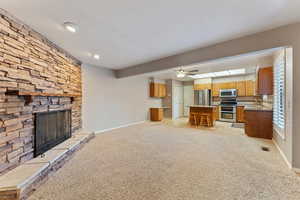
x=228, y=113
x=228, y=106
x=228, y=93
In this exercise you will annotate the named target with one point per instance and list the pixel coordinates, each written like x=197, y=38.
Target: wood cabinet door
x=215, y=89
x=152, y=88
x=241, y=88
x=156, y=114
x=231, y=85
x=164, y=90
x=217, y=113
x=259, y=124
x=240, y=114
x=158, y=90
x=222, y=86
x=203, y=86
x=250, y=88
x=265, y=81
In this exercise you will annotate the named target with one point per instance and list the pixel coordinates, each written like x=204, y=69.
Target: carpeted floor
x=171, y=161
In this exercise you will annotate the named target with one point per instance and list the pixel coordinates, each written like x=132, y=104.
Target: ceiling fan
x=182, y=73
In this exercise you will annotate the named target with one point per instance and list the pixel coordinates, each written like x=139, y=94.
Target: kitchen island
x=211, y=111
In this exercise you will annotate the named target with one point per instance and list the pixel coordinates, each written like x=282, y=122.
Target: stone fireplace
x=36, y=77
x=51, y=129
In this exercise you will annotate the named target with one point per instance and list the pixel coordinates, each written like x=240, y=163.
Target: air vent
x=265, y=149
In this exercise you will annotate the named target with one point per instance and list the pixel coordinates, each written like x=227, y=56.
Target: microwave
x=228, y=93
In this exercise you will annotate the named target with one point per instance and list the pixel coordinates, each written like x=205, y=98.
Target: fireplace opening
x=51, y=129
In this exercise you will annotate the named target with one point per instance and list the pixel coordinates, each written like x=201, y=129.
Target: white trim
x=282, y=154
x=297, y=170
x=122, y=126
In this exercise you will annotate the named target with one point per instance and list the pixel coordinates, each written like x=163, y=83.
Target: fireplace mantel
x=28, y=96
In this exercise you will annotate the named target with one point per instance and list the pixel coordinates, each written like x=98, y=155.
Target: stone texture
x=26, y=177
x=29, y=62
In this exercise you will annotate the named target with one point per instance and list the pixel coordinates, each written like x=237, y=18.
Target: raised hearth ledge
x=21, y=181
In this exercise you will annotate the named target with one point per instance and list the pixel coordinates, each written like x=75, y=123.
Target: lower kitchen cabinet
x=259, y=123
x=240, y=114
x=217, y=113
x=156, y=114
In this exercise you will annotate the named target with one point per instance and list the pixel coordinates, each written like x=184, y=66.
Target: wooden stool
x=194, y=117
x=205, y=119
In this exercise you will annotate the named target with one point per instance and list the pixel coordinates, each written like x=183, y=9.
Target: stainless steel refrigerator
x=203, y=97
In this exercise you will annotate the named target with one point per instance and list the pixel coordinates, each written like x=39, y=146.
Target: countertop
x=258, y=108
x=201, y=106
x=250, y=106
x=162, y=107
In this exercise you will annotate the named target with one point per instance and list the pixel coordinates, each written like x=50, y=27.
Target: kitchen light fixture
x=96, y=56
x=219, y=74
x=222, y=73
x=237, y=71
x=70, y=26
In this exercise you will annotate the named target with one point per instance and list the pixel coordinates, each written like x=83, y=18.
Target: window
x=279, y=93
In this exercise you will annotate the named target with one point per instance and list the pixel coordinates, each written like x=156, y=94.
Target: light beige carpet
x=171, y=161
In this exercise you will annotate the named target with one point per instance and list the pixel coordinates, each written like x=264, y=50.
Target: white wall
x=188, y=97
x=177, y=99
x=109, y=102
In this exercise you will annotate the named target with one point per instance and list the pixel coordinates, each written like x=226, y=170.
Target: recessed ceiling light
x=96, y=56
x=70, y=26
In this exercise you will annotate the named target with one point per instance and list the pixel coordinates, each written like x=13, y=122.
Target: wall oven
x=228, y=105
x=228, y=93
x=228, y=113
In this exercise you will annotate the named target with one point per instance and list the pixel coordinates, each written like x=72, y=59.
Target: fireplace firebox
x=51, y=129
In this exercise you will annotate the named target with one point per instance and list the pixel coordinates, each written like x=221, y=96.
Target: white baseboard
x=283, y=155
x=122, y=126
x=297, y=170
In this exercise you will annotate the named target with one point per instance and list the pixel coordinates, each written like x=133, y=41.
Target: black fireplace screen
x=51, y=128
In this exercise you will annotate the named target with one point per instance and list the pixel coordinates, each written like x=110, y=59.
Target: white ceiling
x=129, y=32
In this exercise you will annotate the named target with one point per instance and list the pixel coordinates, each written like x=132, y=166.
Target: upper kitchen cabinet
x=227, y=85
x=265, y=81
x=203, y=84
x=216, y=89
x=241, y=88
x=158, y=90
x=250, y=87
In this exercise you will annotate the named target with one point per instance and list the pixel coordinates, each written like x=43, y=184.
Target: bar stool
x=205, y=119
x=194, y=118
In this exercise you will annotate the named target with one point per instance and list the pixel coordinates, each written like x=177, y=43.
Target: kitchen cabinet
x=259, y=123
x=217, y=113
x=156, y=114
x=241, y=88
x=244, y=88
x=157, y=90
x=265, y=81
x=215, y=89
x=203, y=86
x=240, y=114
x=250, y=88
